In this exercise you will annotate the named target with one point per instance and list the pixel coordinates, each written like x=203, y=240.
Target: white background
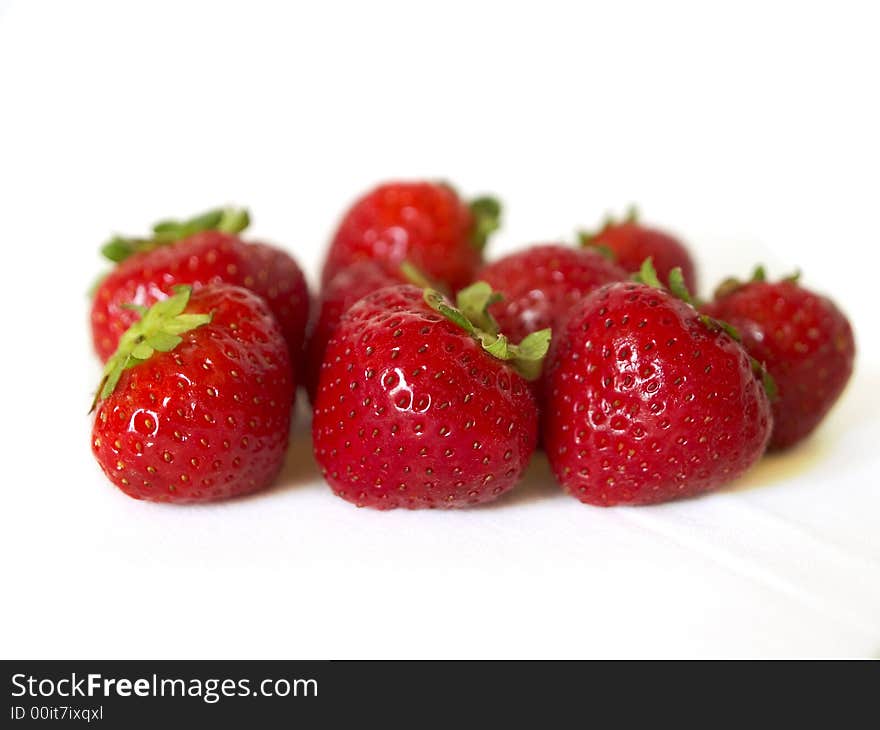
x=751, y=129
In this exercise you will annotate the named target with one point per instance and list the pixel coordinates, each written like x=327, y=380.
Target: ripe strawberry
x=542, y=283
x=200, y=251
x=805, y=342
x=195, y=403
x=342, y=291
x=421, y=404
x=424, y=223
x=630, y=243
x=649, y=400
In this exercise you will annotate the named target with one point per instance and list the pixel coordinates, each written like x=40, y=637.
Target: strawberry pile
x=434, y=375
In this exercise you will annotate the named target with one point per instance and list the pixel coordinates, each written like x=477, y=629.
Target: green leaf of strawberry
x=472, y=315
x=158, y=330
x=226, y=220
x=647, y=275
x=487, y=219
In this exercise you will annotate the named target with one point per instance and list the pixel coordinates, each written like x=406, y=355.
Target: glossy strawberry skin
x=543, y=283
x=805, y=342
x=631, y=243
x=424, y=223
x=411, y=412
x=209, y=257
x=345, y=289
x=208, y=420
x=647, y=403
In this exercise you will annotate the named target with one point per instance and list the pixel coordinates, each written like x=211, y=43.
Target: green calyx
x=760, y=370
x=632, y=214
x=589, y=238
x=412, y=274
x=487, y=219
x=471, y=314
x=227, y=220
x=158, y=330
x=732, y=284
x=648, y=275
x=588, y=241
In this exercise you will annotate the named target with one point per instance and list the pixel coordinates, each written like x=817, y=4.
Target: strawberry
x=629, y=243
x=205, y=249
x=803, y=339
x=342, y=291
x=424, y=223
x=542, y=283
x=195, y=403
x=648, y=400
x=423, y=404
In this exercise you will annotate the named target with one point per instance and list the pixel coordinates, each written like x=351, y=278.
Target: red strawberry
x=200, y=251
x=630, y=243
x=424, y=223
x=347, y=287
x=805, y=342
x=542, y=283
x=195, y=404
x=421, y=404
x=649, y=400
